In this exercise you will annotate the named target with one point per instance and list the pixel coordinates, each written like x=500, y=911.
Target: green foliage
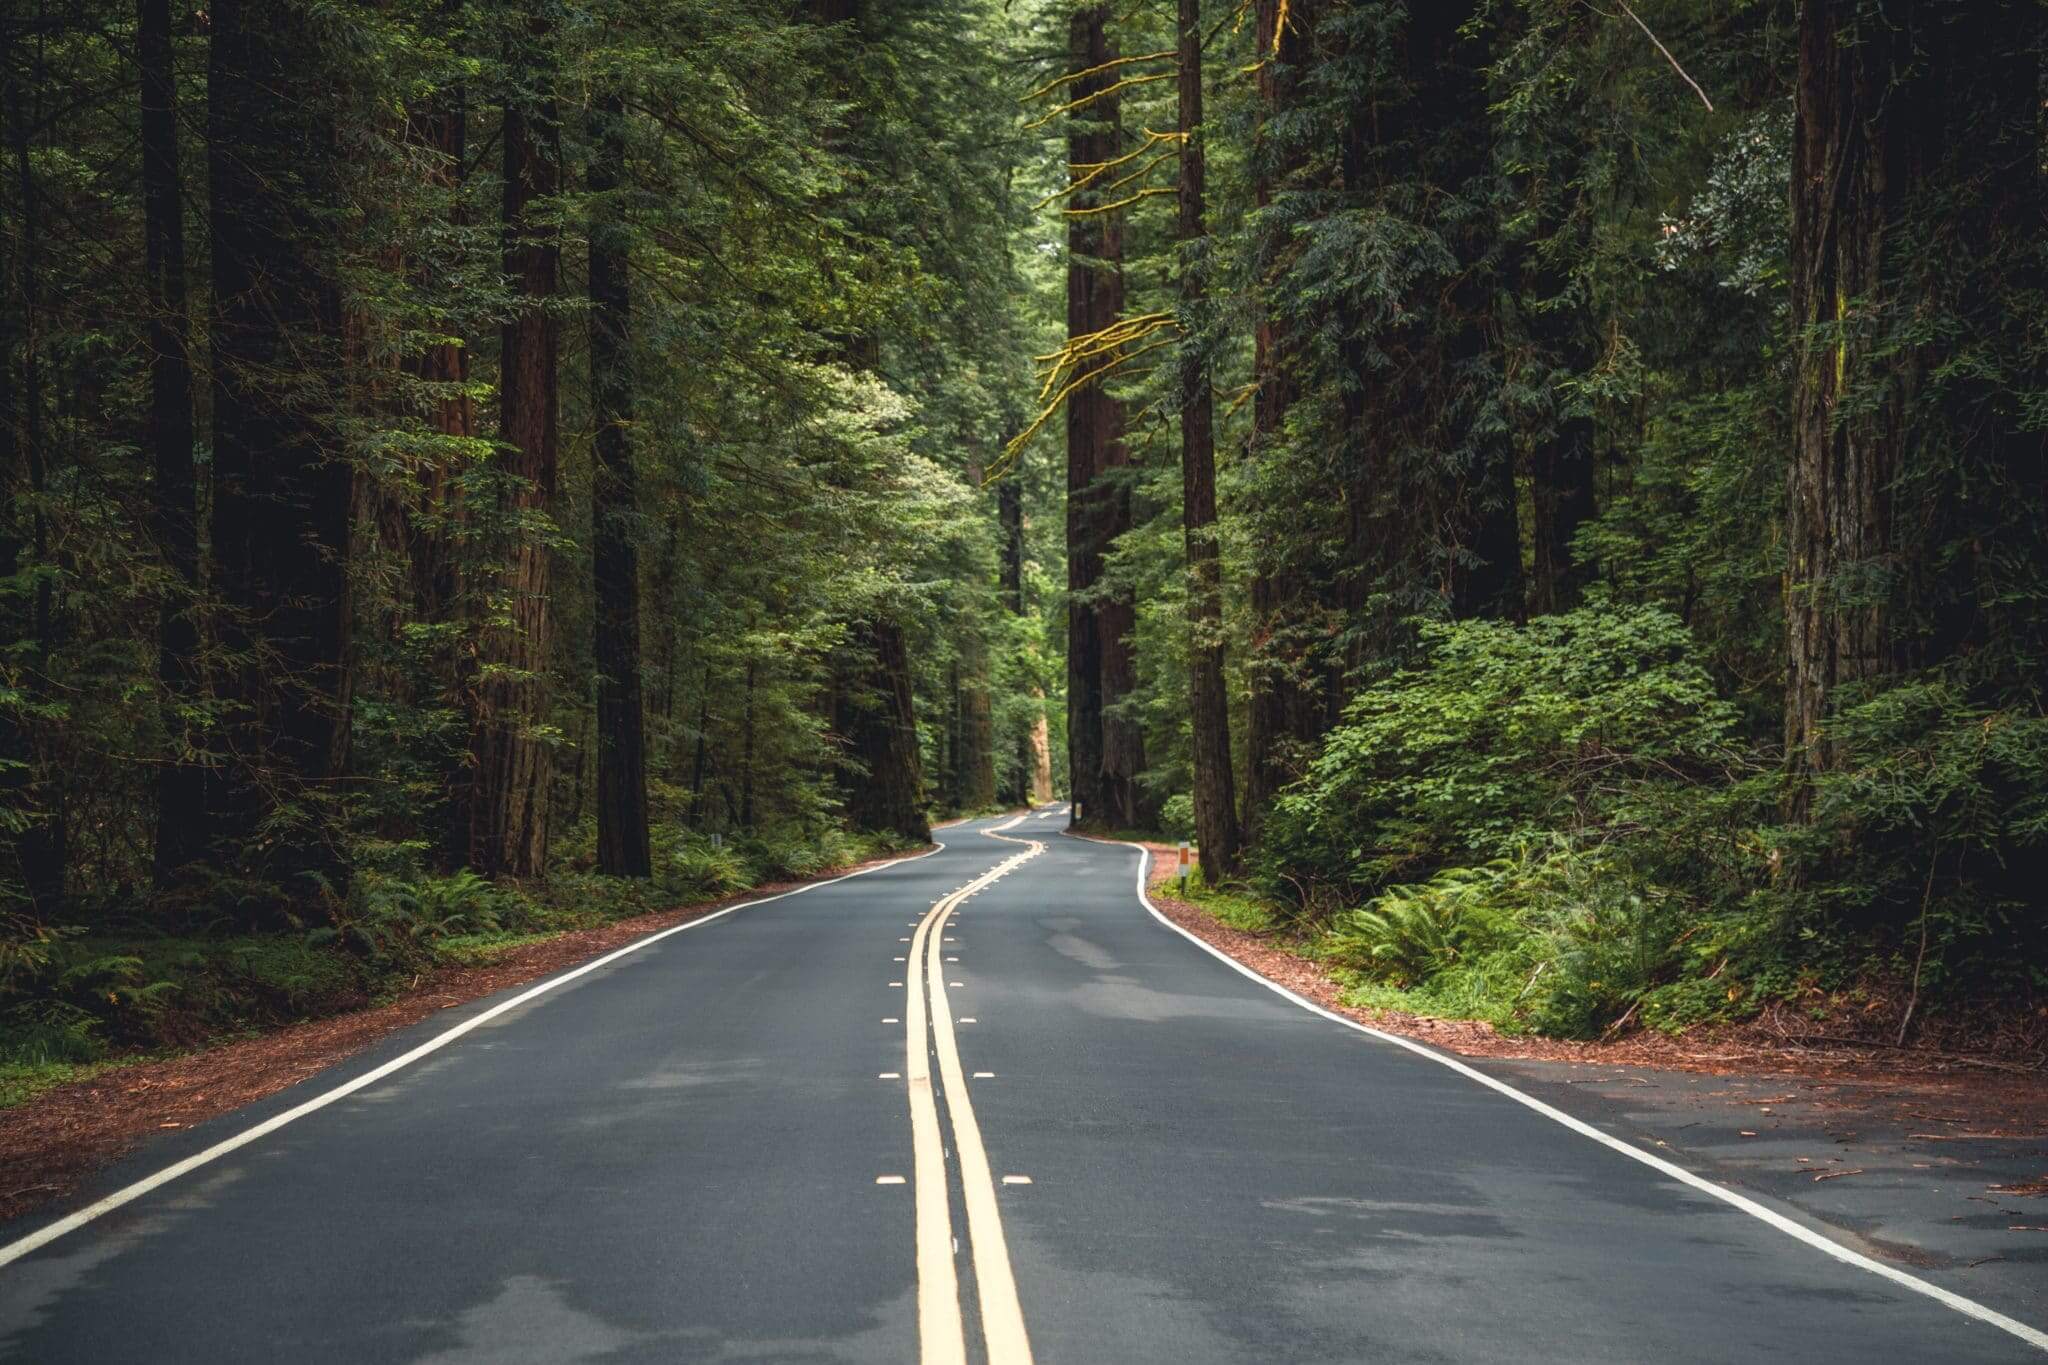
x=1177, y=816
x=1412, y=933
x=1939, y=823
x=1233, y=908
x=691, y=868
x=1496, y=733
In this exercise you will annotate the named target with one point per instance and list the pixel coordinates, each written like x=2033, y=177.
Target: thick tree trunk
x=508, y=827
x=1040, y=764
x=1285, y=709
x=1215, y=795
x=621, y=727
x=281, y=489
x=180, y=787
x=975, y=756
x=1010, y=518
x=1105, y=752
x=1839, y=533
x=873, y=714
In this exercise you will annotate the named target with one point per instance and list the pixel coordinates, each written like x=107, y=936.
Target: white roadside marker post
x=1183, y=867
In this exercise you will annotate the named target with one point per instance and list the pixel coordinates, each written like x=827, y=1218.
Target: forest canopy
x=1549, y=498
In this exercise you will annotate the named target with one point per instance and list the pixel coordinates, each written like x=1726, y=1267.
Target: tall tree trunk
x=975, y=759
x=1010, y=519
x=433, y=530
x=1839, y=534
x=180, y=787
x=873, y=714
x=1105, y=752
x=282, y=491
x=1285, y=708
x=614, y=497
x=512, y=764
x=1208, y=700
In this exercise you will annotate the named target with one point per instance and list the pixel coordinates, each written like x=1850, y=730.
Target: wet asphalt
x=674, y=1158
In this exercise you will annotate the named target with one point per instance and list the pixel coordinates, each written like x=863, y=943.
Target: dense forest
x=1550, y=497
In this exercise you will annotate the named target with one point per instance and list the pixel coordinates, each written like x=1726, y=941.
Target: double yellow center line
x=941, y=1329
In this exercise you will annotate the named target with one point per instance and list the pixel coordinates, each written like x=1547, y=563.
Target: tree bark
x=282, y=491
x=1010, y=523
x=1105, y=752
x=1839, y=534
x=622, y=849
x=512, y=764
x=180, y=787
x=1285, y=709
x=1215, y=797
x=975, y=759
x=873, y=714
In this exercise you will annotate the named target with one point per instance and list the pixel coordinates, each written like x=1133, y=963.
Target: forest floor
x=1922, y=1158
x=52, y=1143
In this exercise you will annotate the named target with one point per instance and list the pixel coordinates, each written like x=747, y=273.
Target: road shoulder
x=54, y=1144
x=1939, y=1169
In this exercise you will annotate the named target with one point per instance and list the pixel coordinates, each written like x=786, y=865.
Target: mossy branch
x=1073, y=76
x=1072, y=106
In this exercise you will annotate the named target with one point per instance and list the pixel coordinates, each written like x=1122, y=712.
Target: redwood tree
x=1215, y=798
x=1106, y=751
x=510, y=761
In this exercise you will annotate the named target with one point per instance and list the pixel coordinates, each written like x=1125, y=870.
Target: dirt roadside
x=52, y=1144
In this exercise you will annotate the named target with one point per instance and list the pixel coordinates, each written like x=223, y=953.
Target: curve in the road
x=1819, y=1241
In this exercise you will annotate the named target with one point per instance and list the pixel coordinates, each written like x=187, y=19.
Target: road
x=746, y=1141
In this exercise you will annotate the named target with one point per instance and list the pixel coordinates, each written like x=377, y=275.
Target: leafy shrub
x=1561, y=939
x=1497, y=733
x=1177, y=816
x=688, y=867
x=396, y=922
x=1940, y=821
x=1411, y=933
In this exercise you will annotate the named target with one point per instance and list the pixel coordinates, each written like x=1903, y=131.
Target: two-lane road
x=980, y=1105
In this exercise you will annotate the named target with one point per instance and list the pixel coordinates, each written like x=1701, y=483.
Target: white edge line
x=1968, y=1307
x=43, y=1236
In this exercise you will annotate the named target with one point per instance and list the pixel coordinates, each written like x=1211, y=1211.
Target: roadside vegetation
x=1560, y=827
x=1569, y=544
x=74, y=1001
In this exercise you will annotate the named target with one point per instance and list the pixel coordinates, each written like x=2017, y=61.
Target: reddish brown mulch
x=2005, y=1099
x=54, y=1142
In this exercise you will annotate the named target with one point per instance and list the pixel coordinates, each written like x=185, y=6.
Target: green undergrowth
x=1530, y=944
x=1564, y=827
x=73, y=1003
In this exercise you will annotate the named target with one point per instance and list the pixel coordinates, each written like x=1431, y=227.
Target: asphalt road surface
x=883, y=1120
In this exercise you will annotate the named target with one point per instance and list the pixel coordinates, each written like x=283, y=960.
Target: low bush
x=1495, y=734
